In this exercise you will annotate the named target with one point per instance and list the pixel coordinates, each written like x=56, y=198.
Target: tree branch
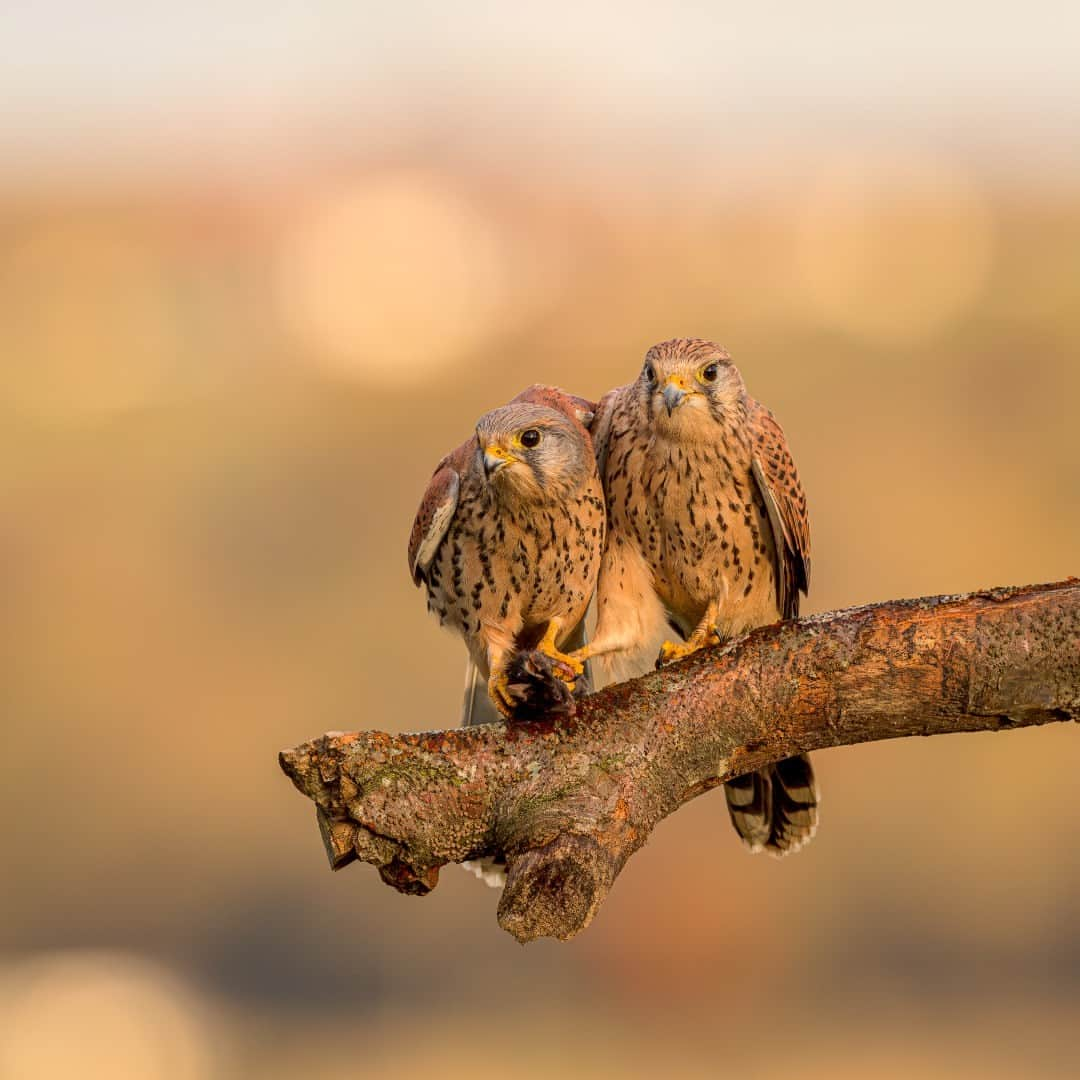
x=567, y=802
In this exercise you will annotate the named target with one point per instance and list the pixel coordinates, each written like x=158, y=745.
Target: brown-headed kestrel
x=708, y=534
x=507, y=541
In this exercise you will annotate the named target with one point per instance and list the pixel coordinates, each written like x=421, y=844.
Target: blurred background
x=262, y=264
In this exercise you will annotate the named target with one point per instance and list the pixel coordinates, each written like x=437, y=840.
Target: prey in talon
x=506, y=544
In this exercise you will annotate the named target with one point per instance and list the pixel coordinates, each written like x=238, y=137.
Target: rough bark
x=567, y=802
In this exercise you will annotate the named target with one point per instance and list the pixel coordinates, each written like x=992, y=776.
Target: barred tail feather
x=776, y=809
x=795, y=805
x=749, y=800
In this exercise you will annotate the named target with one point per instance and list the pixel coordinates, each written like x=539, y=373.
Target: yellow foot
x=578, y=657
x=567, y=666
x=498, y=686
x=671, y=651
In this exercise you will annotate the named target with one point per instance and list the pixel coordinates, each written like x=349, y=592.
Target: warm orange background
x=258, y=271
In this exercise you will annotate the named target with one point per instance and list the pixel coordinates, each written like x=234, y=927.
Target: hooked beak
x=673, y=396
x=495, y=458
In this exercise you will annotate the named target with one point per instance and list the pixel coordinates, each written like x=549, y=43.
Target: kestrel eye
x=709, y=372
x=530, y=438
x=650, y=374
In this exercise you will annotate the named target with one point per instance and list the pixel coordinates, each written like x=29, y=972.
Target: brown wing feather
x=778, y=480
x=437, y=509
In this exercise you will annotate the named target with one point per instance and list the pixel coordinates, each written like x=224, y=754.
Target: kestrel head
x=686, y=382
x=530, y=453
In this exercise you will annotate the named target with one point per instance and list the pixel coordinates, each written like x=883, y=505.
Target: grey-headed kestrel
x=507, y=542
x=707, y=533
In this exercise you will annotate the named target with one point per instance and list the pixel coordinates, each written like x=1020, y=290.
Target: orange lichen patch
x=433, y=743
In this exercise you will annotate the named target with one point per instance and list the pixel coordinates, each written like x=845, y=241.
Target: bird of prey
x=708, y=535
x=507, y=541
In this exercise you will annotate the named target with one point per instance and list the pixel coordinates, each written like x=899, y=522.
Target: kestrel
x=508, y=537
x=707, y=533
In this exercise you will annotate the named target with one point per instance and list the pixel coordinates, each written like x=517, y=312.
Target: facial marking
x=688, y=382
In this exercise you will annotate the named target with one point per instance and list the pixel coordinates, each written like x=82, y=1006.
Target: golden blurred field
x=222, y=391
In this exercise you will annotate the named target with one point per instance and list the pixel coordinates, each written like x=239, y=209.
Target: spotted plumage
x=708, y=537
x=507, y=539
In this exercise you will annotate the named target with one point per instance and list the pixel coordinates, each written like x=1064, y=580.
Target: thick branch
x=567, y=803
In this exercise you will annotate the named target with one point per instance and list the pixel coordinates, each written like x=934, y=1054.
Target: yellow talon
x=547, y=642
x=671, y=651
x=497, y=690
x=579, y=656
x=567, y=660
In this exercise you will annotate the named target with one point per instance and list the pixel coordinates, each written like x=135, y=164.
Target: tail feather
x=795, y=805
x=749, y=800
x=477, y=706
x=776, y=809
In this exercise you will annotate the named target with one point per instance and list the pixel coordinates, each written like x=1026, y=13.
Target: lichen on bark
x=567, y=802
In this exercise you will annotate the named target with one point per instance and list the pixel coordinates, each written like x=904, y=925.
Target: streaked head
x=531, y=453
x=687, y=381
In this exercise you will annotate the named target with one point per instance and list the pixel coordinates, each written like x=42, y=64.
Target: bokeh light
x=400, y=275
x=101, y=1014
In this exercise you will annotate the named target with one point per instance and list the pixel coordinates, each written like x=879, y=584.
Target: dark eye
x=530, y=437
x=709, y=372
x=650, y=374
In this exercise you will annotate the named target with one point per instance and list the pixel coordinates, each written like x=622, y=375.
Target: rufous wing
x=778, y=480
x=437, y=509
